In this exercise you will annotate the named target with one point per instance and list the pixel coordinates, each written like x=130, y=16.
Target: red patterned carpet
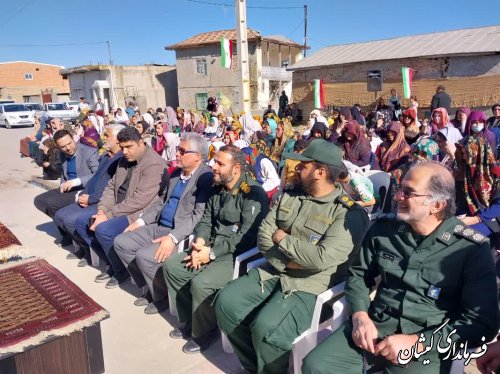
x=9, y=243
x=37, y=302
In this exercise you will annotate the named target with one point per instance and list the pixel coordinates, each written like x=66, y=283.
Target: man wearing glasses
x=433, y=269
x=151, y=239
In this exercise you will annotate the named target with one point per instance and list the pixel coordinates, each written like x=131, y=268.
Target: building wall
x=469, y=80
x=223, y=82
x=45, y=77
x=148, y=86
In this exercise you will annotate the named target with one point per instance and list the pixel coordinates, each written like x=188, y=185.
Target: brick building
x=24, y=81
x=466, y=62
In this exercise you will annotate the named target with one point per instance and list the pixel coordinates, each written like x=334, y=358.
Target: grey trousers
x=137, y=252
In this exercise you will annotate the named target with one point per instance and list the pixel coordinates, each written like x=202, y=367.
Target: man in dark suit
x=87, y=199
x=132, y=189
x=147, y=242
x=79, y=163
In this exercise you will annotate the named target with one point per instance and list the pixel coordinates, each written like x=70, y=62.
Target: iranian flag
x=319, y=97
x=226, y=53
x=407, y=81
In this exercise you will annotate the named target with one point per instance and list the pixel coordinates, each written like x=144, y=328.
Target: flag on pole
x=226, y=53
x=407, y=80
x=319, y=97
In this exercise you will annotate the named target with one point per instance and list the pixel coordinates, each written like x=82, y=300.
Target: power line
x=10, y=18
x=249, y=7
x=295, y=29
x=317, y=41
x=50, y=45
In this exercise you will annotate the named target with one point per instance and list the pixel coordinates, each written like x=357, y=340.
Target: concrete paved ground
x=132, y=341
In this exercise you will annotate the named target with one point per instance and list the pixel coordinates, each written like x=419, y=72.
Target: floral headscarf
x=279, y=144
x=477, y=165
x=258, y=141
x=427, y=146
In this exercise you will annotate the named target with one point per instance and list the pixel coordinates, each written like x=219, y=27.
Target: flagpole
x=242, y=51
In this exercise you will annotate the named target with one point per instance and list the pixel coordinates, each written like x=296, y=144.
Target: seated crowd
x=135, y=187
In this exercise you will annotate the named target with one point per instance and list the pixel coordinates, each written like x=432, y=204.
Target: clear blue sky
x=139, y=30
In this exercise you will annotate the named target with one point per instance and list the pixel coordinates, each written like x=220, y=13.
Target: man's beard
x=307, y=184
x=223, y=179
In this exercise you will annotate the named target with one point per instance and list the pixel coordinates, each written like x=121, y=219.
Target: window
x=201, y=101
x=28, y=77
x=201, y=66
x=284, y=64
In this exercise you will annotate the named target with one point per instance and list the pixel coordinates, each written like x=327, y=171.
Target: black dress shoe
x=103, y=277
x=198, y=345
x=82, y=263
x=156, y=307
x=181, y=332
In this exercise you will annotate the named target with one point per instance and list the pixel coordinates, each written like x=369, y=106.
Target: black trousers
x=51, y=201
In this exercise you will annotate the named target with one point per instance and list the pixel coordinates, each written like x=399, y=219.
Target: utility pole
x=112, y=97
x=242, y=50
x=305, y=30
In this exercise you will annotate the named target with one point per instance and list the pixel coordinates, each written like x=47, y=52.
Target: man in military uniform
x=432, y=268
x=308, y=239
x=227, y=228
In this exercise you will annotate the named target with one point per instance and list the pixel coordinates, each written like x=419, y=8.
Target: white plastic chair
x=308, y=340
x=182, y=246
x=226, y=346
x=381, y=183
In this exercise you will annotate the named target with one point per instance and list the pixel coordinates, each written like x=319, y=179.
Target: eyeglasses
x=183, y=151
x=406, y=193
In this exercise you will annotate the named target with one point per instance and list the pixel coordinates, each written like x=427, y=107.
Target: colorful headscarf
x=392, y=152
x=427, y=146
x=279, y=144
x=90, y=136
x=259, y=142
x=478, y=170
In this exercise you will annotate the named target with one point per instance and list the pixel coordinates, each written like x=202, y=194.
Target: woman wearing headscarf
x=460, y=119
x=143, y=127
x=211, y=129
x=270, y=126
x=172, y=121
x=259, y=141
x=198, y=123
x=318, y=131
x=158, y=141
x=410, y=124
x=89, y=135
x=476, y=162
x=339, y=123
x=283, y=143
x=440, y=121
x=230, y=138
x=121, y=116
x=171, y=143
x=249, y=127
x=393, y=148
x=355, y=145
x=426, y=149
x=357, y=116
x=476, y=125
x=263, y=170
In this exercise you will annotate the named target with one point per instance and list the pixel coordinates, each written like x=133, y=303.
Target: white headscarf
x=172, y=141
x=250, y=126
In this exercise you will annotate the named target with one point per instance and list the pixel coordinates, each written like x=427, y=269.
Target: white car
x=36, y=108
x=73, y=105
x=16, y=115
x=59, y=110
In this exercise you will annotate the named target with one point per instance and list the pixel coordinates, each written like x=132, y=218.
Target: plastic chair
x=381, y=183
x=308, y=340
x=182, y=246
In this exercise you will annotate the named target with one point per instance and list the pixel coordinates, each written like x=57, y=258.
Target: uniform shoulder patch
x=469, y=233
x=346, y=201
